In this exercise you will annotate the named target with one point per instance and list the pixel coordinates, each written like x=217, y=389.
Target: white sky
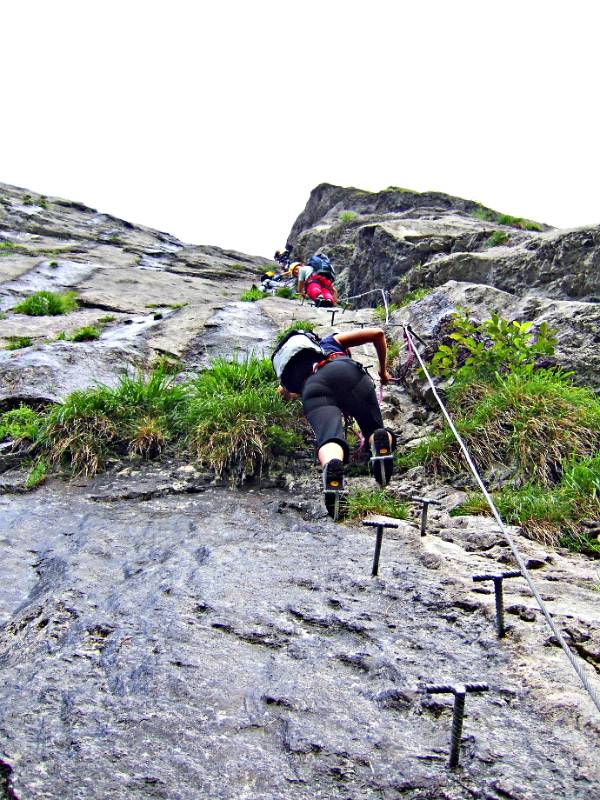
x=213, y=121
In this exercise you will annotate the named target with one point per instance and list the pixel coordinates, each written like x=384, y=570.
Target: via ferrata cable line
x=518, y=557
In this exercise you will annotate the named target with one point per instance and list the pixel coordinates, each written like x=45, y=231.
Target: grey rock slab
x=207, y=645
x=49, y=373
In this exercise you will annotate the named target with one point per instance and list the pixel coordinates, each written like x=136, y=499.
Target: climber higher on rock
x=331, y=385
x=315, y=280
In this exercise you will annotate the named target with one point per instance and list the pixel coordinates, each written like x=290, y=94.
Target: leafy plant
x=53, y=264
x=107, y=318
x=27, y=200
x=47, y=304
x=18, y=342
x=480, y=350
x=347, y=216
x=253, y=294
x=20, y=423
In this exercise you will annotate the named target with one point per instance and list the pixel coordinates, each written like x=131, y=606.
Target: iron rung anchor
x=380, y=526
x=460, y=692
x=499, y=593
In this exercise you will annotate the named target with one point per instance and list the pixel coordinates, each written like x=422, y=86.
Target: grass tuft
x=416, y=294
x=253, y=294
x=46, y=303
x=18, y=342
x=497, y=238
x=347, y=216
x=86, y=334
x=362, y=502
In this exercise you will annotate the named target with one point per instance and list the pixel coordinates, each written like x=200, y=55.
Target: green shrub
x=478, y=351
x=347, y=216
x=362, y=502
x=107, y=318
x=86, y=334
x=18, y=342
x=137, y=417
x=533, y=422
x=20, y=423
x=253, y=294
x=53, y=264
x=27, y=200
x=497, y=238
x=487, y=215
x=47, y=304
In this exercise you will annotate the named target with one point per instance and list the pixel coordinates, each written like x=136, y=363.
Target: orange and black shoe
x=333, y=487
x=382, y=457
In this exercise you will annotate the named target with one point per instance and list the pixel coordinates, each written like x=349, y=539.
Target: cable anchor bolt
x=425, y=503
x=499, y=592
x=460, y=692
x=378, y=540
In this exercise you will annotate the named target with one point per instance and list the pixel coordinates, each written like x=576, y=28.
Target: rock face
x=164, y=636
x=400, y=240
x=148, y=293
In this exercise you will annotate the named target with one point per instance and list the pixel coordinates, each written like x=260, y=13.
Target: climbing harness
x=517, y=555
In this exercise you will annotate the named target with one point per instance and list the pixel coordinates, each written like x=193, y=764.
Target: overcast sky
x=213, y=121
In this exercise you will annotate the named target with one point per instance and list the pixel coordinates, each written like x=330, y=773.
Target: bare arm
x=374, y=336
x=301, y=288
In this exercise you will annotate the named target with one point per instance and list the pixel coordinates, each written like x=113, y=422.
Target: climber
x=283, y=259
x=331, y=384
x=315, y=280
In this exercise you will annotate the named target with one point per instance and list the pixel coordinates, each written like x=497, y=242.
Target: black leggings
x=341, y=386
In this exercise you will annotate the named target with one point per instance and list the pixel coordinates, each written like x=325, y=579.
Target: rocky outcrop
x=400, y=240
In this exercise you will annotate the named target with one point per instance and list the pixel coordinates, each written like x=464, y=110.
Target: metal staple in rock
x=518, y=557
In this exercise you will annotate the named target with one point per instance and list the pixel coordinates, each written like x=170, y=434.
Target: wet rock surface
x=220, y=644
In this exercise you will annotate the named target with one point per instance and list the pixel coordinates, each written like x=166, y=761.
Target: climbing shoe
x=319, y=300
x=333, y=488
x=326, y=303
x=381, y=464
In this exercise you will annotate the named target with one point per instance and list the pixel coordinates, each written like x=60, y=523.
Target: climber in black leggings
x=338, y=385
